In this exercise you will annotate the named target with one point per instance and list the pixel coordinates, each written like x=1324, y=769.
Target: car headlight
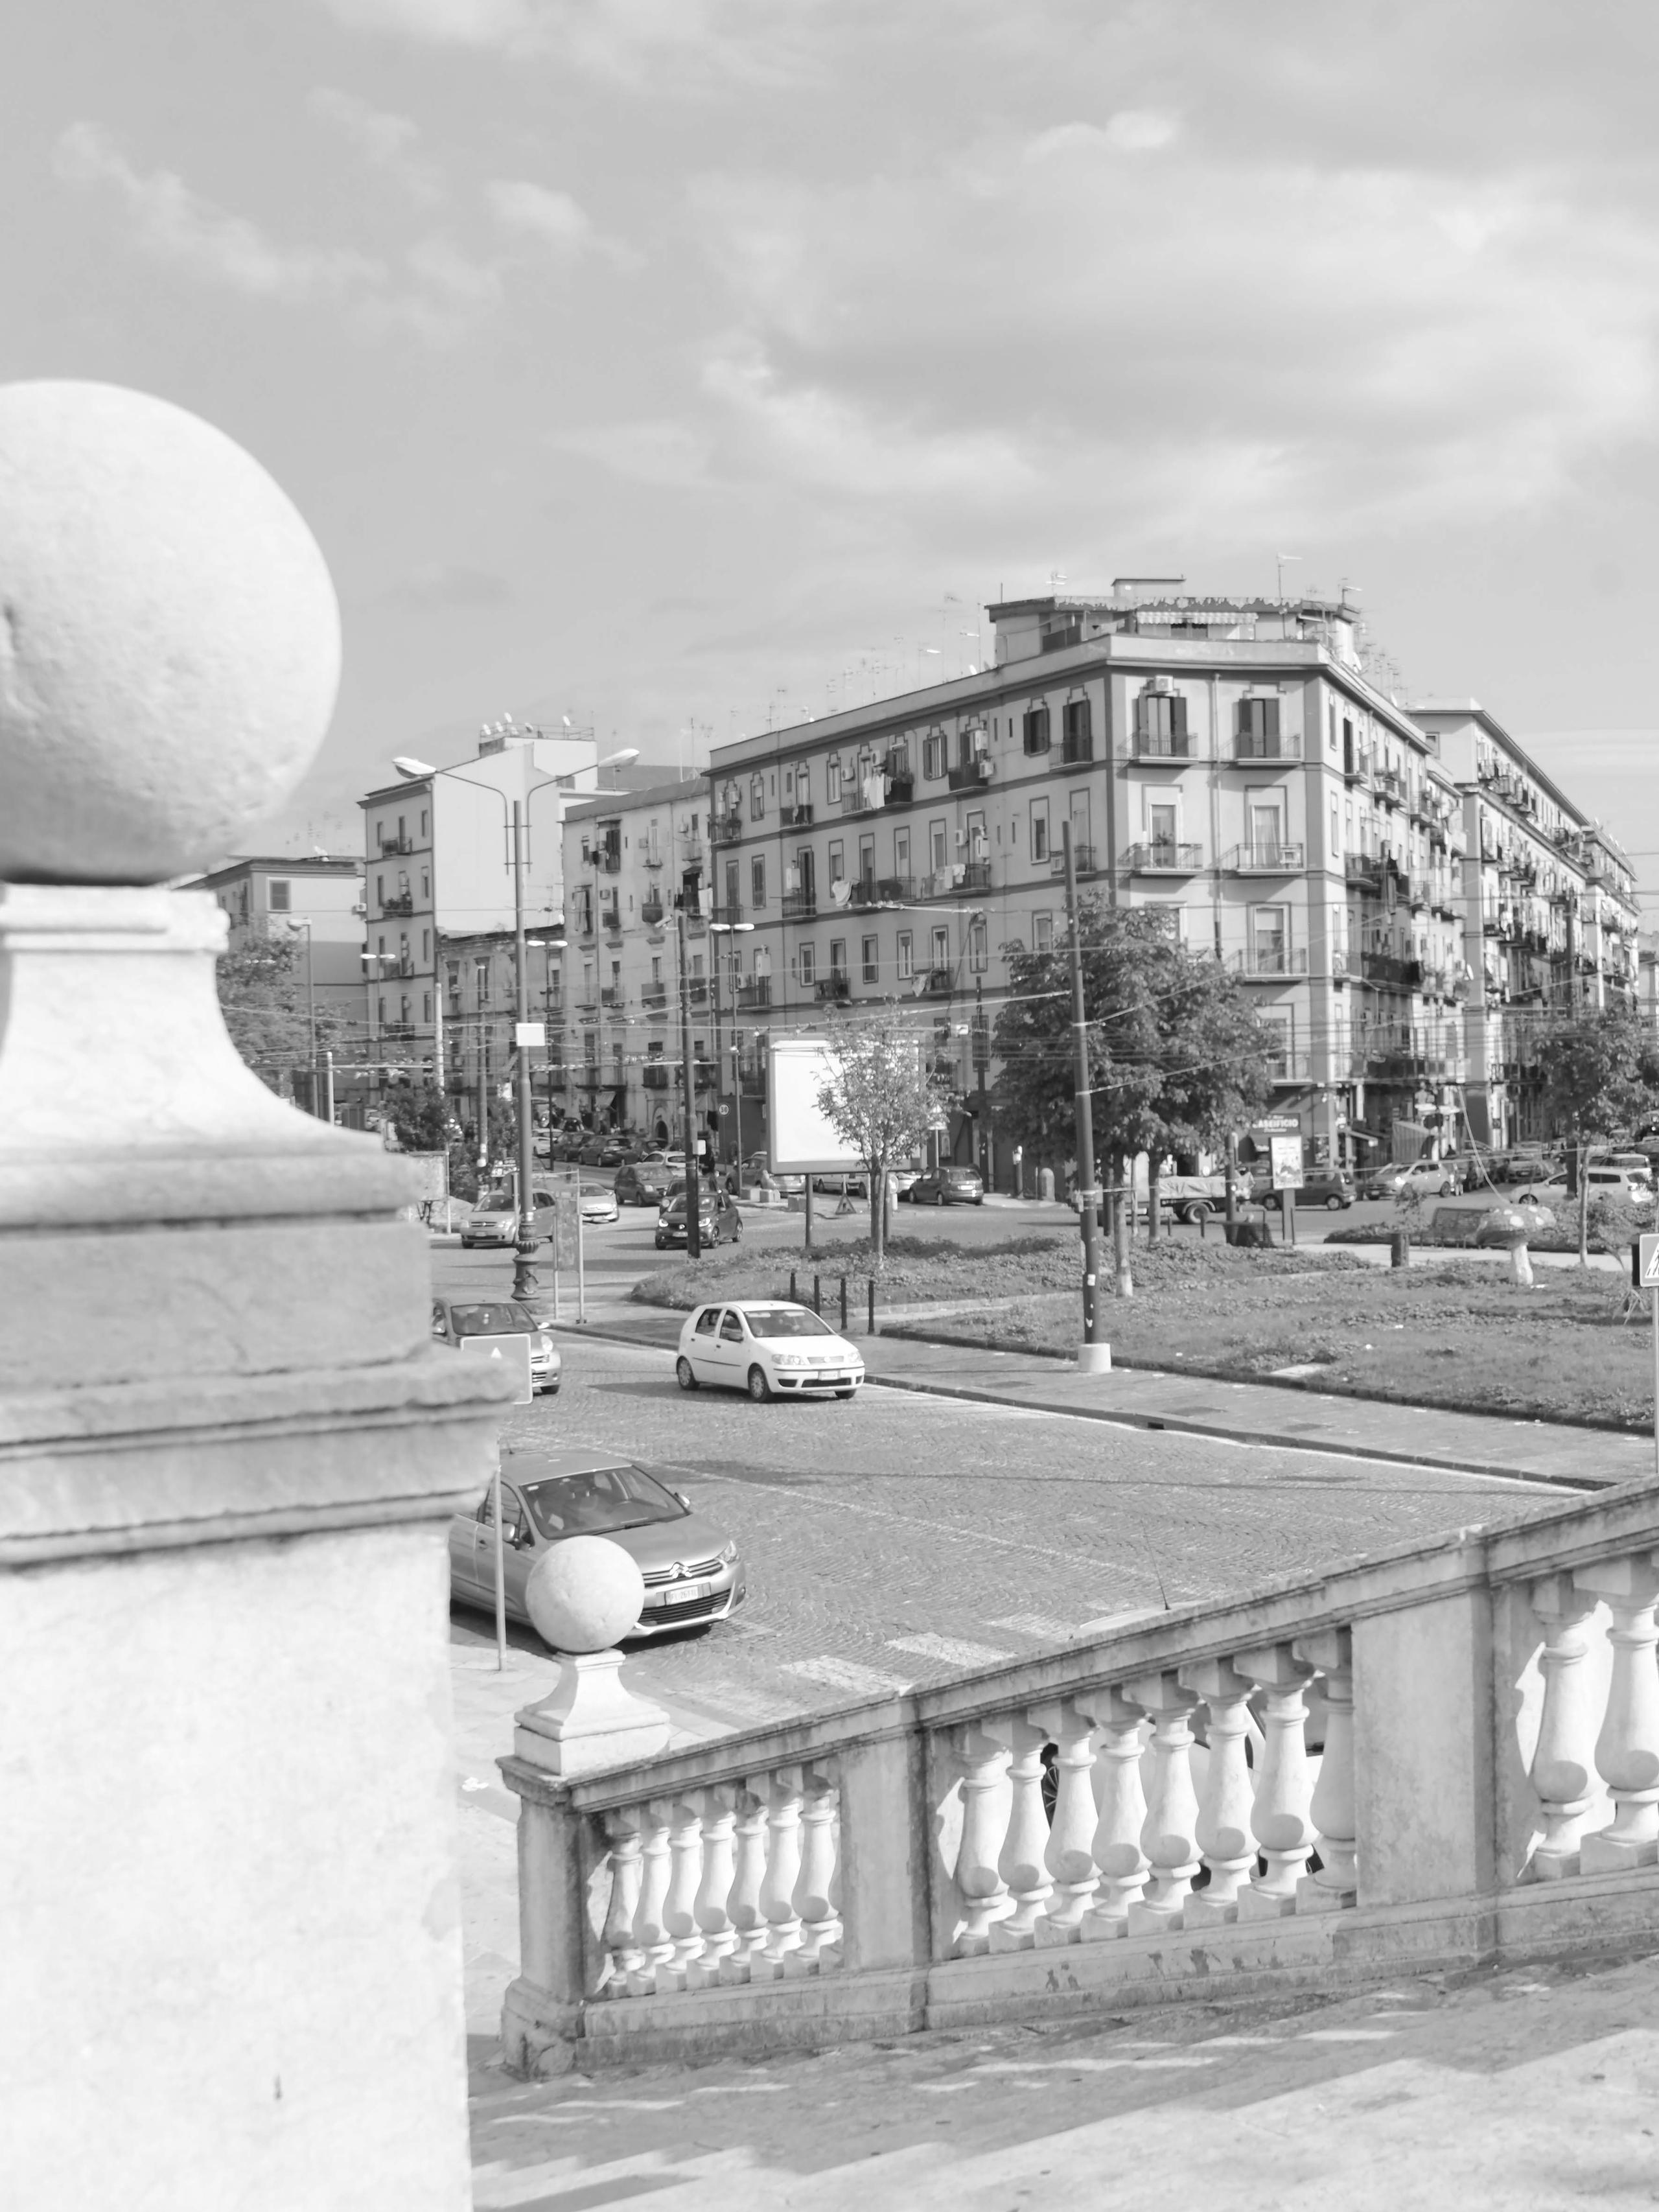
x=788, y=1359
x=728, y=1551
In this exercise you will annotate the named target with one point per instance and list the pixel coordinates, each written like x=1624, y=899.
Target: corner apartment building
x=630, y=858
x=1224, y=760
x=1550, y=912
x=317, y=901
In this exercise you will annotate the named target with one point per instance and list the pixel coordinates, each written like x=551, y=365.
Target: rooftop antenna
x=1281, y=558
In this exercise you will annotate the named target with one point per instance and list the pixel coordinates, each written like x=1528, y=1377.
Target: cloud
x=176, y=225
x=437, y=22
x=533, y=210
x=660, y=452
x=440, y=293
x=1139, y=130
x=383, y=140
x=678, y=47
x=437, y=586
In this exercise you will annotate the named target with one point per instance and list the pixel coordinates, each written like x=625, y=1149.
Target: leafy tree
x=1600, y=1070
x=1177, y=1054
x=262, y=995
x=881, y=1098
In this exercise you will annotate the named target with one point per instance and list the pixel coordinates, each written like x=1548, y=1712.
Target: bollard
x=795, y=1297
x=1400, y=1249
x=873, y=1305
x=843, y=1305
x=818, y=1300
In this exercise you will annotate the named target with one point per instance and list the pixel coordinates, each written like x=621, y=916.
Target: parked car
x=600, y=1206
x=855, y=1185
x=1383, y=1181
x=755, y=1170
x=1635, y=1188
x=1332, y=1187
x=691, y=1567
x=1431, y=1179
x=718, y=1221
x=643, y=1182
x=947, y=1186
x=567, y=1145
x=494, y=1221
x=455, y=1318
x=769, y=1347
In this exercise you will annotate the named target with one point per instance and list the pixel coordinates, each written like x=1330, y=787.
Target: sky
x=690, y=366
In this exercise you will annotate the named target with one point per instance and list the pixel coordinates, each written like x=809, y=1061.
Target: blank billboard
x=802, y=1141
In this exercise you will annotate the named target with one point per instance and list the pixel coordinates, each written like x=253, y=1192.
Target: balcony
x=613, y=995
x=651, y=857
x=731, y=912
x=796, y=818
x=655, y=1075
x=653, y=997
x=1155, y=745
x=399, y=903
x=396, y=1032
x=975, y=876
x=755, y=993
x=587, y=1076
x=725, y=828
x=652, y=913
x=1289, y=1066
x=751, y=1076
x=832, y=990
x=696, y=990
x=1083, y=858
x=705, y=1076
x=800, y=906
x=1247, y=752
x=1163, y=857
x=1268, y=964
x=936, y=983
x=1271, y=859
x=403, y=844
x=1387, y=969
x=1077, y=748
x=972, y=776
x=1366, y=871
x=901, y=786
x=691, y=852
x=611, y=921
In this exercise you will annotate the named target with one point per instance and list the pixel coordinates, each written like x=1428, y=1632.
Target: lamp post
x=730, y=929
x=292, y=923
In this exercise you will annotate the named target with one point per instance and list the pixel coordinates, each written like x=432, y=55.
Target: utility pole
x=1094, y=1353
x=981, y=1058
x=693, y=1207
x=523, y=1263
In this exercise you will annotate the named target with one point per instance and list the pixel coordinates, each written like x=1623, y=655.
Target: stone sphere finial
x=585, y=1593
x=169, y=638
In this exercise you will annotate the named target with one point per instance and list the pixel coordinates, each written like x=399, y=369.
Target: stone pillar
x=231, y=1450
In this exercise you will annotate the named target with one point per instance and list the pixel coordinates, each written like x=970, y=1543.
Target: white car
x=600, y=1206
x=494, y=1221
x=1430, y=1179
x=1610, y=1182
x=769, y=1348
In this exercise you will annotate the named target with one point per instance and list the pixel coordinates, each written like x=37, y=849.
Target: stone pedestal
x=589, y=1721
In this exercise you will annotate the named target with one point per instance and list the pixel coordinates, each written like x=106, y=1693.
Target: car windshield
x=502, y=1318
x=603, y=1498
x=494, y=1202
x=784, y=1320
x=960, y=1175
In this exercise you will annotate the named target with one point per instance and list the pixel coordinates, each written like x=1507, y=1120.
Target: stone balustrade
x=1434, y=1756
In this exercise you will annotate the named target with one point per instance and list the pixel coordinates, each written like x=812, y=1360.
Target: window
x=425, y=1005
x=757, y=879
x=380, y=946
x=838, y=958
x=656, y=967
x=426, y=885
x=932, y=755
x=1258, y=728
x=807, y=961
x=1330, y=725
x=1080, y=729
x=938, y=850
x=1036, y=728
x=1162, y=822
x=872, y=966
x=380, y=890
x=732, y=885
x=832, y=780
x=866, y=859
x=1161, y=723
x=901, y=852
x=906, y=957
x=1336, y=834
x=278, y=895
x=481, y=981
x=1268, y=940
x=757, y=798
x=979, y=948
x=1042, y=933
x=806, y=866
x=837, y=861
x=423, y=828
x=941, y=947
x=380, y=1005
x=1039, y=830
x=425, y=946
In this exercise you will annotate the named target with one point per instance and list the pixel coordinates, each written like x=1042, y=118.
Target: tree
x=262, y=995
x=881, y=1098
x=1600, y=1070
x=1178, y=1056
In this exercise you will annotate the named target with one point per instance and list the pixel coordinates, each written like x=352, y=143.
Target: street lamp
x=524, y=1269
x=291, y=922
x=731, y=929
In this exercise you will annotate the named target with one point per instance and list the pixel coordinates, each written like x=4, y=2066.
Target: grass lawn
x=918, y=1269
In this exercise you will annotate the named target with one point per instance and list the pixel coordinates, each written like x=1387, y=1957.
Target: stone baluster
x=1169, y=1835
x=717, y=1810
x=1628, y=1748
x=621, y=1831
x=820, y=1927
x=748, y=1872
x=1117, y=1850
x=984, y=1762
x=1222, y=1828
x=784, y=1791
x=1069, y=1856
x=1563, y=1769
x=679, y=1915
x=1330, y=1653
x=1022, y=1862
x=651, y=1940
x=1281, y=1819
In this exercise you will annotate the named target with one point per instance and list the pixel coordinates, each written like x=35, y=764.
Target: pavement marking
x=953, y=1649
x=1037, y=1625
x=845, y=1674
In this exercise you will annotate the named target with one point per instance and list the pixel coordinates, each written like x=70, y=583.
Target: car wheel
x=1198, y=1217
x=737, y=1231
x=759, y=1388
x=1333, y=1204
x=683, y=1374
x=939, y=1198
x=1444, y=1191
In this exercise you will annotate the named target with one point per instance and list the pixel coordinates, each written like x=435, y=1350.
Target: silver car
x=691, y=1567
x=452, y=1319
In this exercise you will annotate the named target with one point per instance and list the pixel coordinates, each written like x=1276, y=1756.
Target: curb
x=1124, y=1418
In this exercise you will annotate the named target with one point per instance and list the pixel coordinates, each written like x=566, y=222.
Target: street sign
x=565, y=1228
x=527, y=1033
x=1091, y=1198
x=1287, y=1153
x=1269, y=1125
x=511, y=1352
x=1647, y=1265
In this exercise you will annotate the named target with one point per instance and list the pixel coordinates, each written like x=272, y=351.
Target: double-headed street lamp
x=524, y=1268
x=731, y=929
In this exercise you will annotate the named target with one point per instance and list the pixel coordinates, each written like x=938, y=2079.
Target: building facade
x=1226, y=762
x=319, y=901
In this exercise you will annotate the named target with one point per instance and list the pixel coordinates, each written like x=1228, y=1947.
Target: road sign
x=1647, y=1263
x=511, y=1352
x=529, y=1033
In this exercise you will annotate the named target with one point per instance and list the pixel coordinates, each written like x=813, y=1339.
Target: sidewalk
x=1557, y=1453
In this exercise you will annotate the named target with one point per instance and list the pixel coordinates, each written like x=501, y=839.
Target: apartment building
x=318, y=901
x=1225, y=761
x=1550, y=912
x=478, y=1008
x=630, y=860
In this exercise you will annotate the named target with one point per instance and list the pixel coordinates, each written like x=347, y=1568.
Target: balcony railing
x=725, y=828
x=796, y=818
x=970, y=775
x=1245, y=752
x=652, y=913
x=1388, y=969
x=1077, y=748
x=653, y=997
x=1083, y=859
x=399, y=903
x=651, y=857
x=611, y=921
x=729, y=913
x=1271, y=859
x=1151, y=745
x=936, y=983
x=403, y=844
x=1268, y=963
x=705, y=1076
x=613, y=995
x=1163, y=857
x=1363, y=869
x=751, y=1076
x=757, y=992
x=975, y=876
x=587, y=1078
x=800, y=906
x=655, y=1075
x=832, y=990
x=691, y=850
x=1289, y=1066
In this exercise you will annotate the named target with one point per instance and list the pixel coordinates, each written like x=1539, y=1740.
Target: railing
x=696, y=990
x=398, y=1032
x=1361, y=868
x=970, y=775
x=653, y=997
x=936, y=983
x=1445, y=1753
x=403, y=844
x=832, y=990
x=691, y=850
x=705, y=1076
x=1289, y=1066
x=800, y=906
x=725, y=828
x=975, y=876
x=1076, y=748
x=1271, y=859
x=1083, y=859
x=1387, y=967
x=613, y=995
x=1163, y=857
x=751, y=1077
x=732, y=911
x=652, y=856
x=1145, y=745
x=655, y=1075
x=586, y=1078
x=611, y=921
x=652, y=913
x=757, y=992
x=1246, y=752
x=1269, y=961
x=796, y=818
x=399, y=903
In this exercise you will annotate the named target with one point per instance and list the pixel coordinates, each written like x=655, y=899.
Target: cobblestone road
x=902, y=1539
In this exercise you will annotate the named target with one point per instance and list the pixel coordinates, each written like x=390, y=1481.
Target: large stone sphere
x=169, y=638
x=584, y=1595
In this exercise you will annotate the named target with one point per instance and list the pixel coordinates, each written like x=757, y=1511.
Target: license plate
x=683, y=1592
